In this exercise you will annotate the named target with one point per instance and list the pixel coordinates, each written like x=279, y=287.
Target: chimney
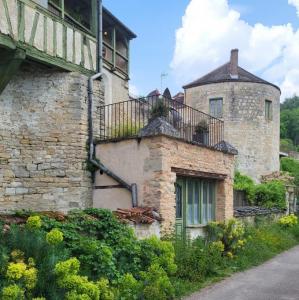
x=233, y=67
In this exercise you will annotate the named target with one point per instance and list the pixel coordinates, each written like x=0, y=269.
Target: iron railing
x=126, y=119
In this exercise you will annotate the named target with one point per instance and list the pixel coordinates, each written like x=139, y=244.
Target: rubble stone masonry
x=245, y=124
x=149, y=163
x=43, y=140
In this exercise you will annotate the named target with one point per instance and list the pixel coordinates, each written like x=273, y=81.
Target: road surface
x=277, y=279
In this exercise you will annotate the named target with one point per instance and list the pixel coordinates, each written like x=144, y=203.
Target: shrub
x=271, y=194
x=246, y=184
x=231, y=234
x=54, y=237
x=288, y=221
x=292, y=166
x=34, y=222
x=155, y=251
x=156, y=284
x=159, y=109
x=126, y=129
x=12, y=292
x=104, y=245
x=77, y=286
x=198, y=259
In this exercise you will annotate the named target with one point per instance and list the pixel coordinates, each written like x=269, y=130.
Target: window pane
x=108, y=54
x=80, y=10
x=196, y=203
x=190, y=203
x=121, y=63
x=216, y=107
x=121, y=45
x=268, y=110
x=204, y=202
x=178, y=192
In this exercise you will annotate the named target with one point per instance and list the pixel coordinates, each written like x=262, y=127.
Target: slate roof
x=222, y=74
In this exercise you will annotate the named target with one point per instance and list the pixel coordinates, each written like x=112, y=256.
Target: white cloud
x=296, y=4
x=210, y=29
x=133, y=90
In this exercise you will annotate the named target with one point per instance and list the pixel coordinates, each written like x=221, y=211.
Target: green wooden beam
x=9, y=65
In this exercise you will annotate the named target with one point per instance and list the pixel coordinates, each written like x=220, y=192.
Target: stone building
x=68, y=140
x=250, y=109
x=48, y=51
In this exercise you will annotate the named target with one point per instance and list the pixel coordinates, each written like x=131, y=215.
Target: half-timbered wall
x=45, y=37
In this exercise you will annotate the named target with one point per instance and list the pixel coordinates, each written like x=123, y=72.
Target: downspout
x=132, y=188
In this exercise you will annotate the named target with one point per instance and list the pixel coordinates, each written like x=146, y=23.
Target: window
x=199, y=198
x=76, y=12
x=268, y=110
x=216, y=107
x=116, y=47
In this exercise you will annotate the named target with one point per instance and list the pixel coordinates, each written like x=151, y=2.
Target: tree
x=289, y=125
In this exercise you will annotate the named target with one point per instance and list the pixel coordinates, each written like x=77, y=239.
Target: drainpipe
x=132, y=188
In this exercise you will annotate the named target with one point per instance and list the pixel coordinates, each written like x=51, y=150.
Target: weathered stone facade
x=149, y=163
x=43, y=140
x=245, y=125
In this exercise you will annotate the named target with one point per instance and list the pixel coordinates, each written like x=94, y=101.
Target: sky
x=185, y=39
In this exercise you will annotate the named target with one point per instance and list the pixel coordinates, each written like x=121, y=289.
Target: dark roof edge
x=230, y=80
x=131, y=34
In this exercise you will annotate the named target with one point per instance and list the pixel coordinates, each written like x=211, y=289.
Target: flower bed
x=91, y=255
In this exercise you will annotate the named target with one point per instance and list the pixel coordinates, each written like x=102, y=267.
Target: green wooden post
x=9, y=65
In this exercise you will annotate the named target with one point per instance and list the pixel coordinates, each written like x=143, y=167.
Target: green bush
x=126, y=129
x=292, y=166
x=197, y=259
x=246, y=184
x=271, y=194
x=288, y=221
x=231, y=234
x=159, y=109
x=155, y=251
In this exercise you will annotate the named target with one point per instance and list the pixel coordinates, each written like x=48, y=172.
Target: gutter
x=133, y=187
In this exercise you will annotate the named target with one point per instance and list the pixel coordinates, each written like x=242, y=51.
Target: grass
x=264, y=241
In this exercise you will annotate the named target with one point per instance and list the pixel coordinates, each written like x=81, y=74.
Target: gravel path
x=277, y=279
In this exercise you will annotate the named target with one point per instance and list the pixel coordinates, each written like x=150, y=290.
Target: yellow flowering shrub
x=54, y=237
x=230, y=234
x=12, y=292
x=34, y=222
x=15, y=271
x=288, y=221
x=30, y=278
x=21, y=273
x=218, y=246
x=79, y=287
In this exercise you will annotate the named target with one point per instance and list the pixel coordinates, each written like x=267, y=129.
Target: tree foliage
x=289, y=120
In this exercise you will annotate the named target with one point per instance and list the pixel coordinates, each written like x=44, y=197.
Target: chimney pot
x=234, y=63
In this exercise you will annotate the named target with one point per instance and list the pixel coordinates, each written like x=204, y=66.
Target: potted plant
x=201, y=132
x=159, y=110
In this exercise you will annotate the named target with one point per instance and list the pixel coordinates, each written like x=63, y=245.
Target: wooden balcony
x=45, y=38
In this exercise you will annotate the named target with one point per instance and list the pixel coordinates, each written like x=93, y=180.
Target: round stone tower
x=250, y=109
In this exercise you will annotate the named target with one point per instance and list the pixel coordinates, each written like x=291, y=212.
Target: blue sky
x=155, y=23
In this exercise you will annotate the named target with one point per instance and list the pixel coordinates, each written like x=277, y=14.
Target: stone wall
x=43, y=138
x=149, y=163
x=245, y=126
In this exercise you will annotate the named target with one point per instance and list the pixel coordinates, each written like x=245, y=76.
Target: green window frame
x=216, y=107
x=199, y=197
x=60, y=9
x=268, y=110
